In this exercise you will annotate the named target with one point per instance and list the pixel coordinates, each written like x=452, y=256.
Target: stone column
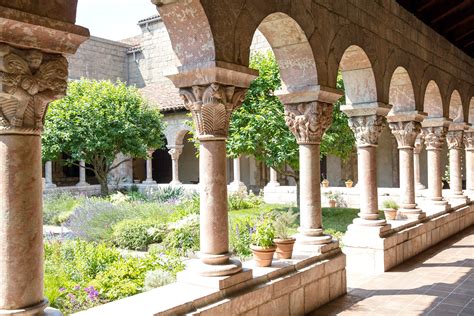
x=469, y=147
x=308, y=121
x=406, y=132
x=149, y=168
x=175, y=151
x=454, y=139
x=367, y=130
x=48, y=175
x=237, y=185
x=273, y=179
x=82, y=174
x=211, y=106
x=435, y=136
x=416, y=162
x=29, y=80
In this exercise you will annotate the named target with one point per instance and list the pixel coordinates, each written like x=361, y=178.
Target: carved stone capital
x=175, y=152
x=211, y=107
x=29, y=80
x=308, y=121
x=419, y=143
x=149, y=153
x=454, y=139
x=468, y=139
x=434, y=137
x=367, y=129
x=405, y=133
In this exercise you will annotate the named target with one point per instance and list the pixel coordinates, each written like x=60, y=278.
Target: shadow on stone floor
x=439, y=281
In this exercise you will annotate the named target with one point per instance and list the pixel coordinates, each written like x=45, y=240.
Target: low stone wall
x=370, y=250
x=295, y=287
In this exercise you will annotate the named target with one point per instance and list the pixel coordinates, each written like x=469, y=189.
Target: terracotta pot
x=349, y=184
x=390, y=213
x=325, y=183
x=263, y=256
x=284, y=248
x=332, y=203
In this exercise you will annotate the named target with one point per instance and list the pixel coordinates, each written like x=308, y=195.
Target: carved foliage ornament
x=406, y=133
x=468, y=139
x=175, y=152
x=434, y=137
x=29, y=80
x=211, y=107
x=308, y=121
x=367, y=129
x=454, y=139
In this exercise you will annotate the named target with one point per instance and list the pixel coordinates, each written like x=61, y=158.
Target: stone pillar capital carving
x=468, y=139
x=175, y=152
x=420, y=139
x=29, y=80
x=454, y=139
x=211, y=106
x=434, y=137
x=308, y=121
x=367, y=129
x=406, y=133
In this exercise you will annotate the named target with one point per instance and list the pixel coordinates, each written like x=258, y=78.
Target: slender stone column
x=237, y=185
x=434, y=139
x=149, y=168
x=48, y=175
x=416, y=162
x=469, y=147
x=211, y=106
x=308, y=121
x=175, y=151
x=29, y=80
x=454, y=139
x=82, y=174
x=406, y=132
x=367, y=130
x=273, y=179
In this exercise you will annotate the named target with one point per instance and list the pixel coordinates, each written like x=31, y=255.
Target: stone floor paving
x=439, y=281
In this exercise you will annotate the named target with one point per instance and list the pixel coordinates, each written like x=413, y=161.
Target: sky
x=113, y=19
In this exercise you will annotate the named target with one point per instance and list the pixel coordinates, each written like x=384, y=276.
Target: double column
x=406, y=128
x=308, y=121
x=434, y=132
x=211, y=105
x=175, y=152
x=454, y=139
x=149, y=168
x=29, y=80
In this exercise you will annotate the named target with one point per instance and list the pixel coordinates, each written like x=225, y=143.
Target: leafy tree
x=96, y=121
x=258, y=127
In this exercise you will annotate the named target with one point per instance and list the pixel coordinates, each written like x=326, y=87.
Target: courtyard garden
x=129, y=242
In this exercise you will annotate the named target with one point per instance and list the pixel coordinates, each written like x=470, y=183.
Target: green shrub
x=189, y=206
x=242, y=200
x=183, y=235
x=167, y=194
x=390, y=204
x=240, y=232
x=157, y=278
x=283, y=222
x=264, y=233
x=57, y=208
x=137, y=234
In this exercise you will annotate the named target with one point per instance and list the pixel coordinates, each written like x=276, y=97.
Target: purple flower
x=77, y=288
x=92, y=293
x=61, y=289
x=72, y=297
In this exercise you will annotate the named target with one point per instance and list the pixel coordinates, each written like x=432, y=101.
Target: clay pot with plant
x=390, y=209
x=262, y=245
x=349, y=183
x=325, y=183
x=284, y=242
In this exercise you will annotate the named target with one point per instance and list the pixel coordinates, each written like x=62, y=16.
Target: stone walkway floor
x=439, y=281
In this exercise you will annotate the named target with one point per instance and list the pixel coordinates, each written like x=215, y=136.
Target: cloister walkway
x=439, y=281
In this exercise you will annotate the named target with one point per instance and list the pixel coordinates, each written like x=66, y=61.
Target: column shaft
x=470, y=169
x=237, y=169
x=48, y=174
x=407, y=178
x=455, y=171
x=21, y=225
x=367, y=170
x=175, y=170
x=435, y=185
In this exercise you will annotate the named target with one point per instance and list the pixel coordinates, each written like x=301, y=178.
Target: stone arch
x=292, y=51
x=471, y=111
x=190, y=33
x=359, y=79
x=175, y=132
x=456, y=108
x=401, y=93
x=433, y=101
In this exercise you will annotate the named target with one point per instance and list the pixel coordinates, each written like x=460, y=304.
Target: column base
x=435, y=205
x=237, y=187
x=420, y=186
x=369, y=222
x=232, y=266
x=314, y=245
x=174, y=182
x=189, y=276
x=82, y=184
x=458, y=199
x=272, y=184
x=50, y=186
x=411, y=213
x=28, y=311
x=149, y=182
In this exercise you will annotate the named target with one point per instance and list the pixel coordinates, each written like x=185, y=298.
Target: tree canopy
x=258, y=127
x=96, y=121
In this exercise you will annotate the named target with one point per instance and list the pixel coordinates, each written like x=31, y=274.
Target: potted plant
x=284, y=242
x=349, y=183
x=390, y=208
x=262, y=245
x=335, y=199
x=325, y=183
